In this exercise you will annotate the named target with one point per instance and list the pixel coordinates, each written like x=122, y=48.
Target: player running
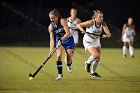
x=91, y=40
x=72, y=23
x=64, y=38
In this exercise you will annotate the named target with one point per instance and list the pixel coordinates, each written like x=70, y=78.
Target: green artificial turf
x=119, y=75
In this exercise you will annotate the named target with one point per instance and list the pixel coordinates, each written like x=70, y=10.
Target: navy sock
x=59, y=66
x=69, y=64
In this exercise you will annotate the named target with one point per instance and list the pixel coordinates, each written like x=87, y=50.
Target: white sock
x=124, y=50
x=94, y=66
x=90, y=60
x=131, y=50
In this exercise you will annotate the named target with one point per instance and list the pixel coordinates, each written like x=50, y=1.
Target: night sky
x=115, y=12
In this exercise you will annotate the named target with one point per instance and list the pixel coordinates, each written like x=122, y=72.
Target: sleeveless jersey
x=94, y=29
x=129, y=30
x=72, y=24
x=59, y=30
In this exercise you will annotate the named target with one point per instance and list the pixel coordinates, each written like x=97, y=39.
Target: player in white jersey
x=72, y=23
x=128, y=34
x=91, y=40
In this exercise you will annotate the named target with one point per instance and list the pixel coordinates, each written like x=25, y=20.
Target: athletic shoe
x=87, y=67
x=132, y=56
x=69, y=68
x=94, y=75
x=60, y=76
x=124, y=56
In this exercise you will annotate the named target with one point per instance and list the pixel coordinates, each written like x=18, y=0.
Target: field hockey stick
x=31, y=76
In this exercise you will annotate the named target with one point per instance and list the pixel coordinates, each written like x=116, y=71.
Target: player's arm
x=51, y=38
x=79, y=21
x=67, y=32
x=82, y=25
x=124, y=26
x=67, y=19
x=106, y=30
x=134, y=31
x=66, y=29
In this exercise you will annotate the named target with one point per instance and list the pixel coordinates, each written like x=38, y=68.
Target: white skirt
x=75, y=36
x=89, y=42
x=126, y=38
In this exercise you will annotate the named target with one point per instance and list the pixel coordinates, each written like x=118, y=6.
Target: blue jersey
x=59, y=31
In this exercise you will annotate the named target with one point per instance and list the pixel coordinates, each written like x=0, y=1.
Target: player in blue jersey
x=58, y=27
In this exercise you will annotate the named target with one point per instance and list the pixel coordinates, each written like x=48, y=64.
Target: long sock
x=131, y=50
x=94, y=66
x=69, y=64
x=59, y=67
x=90, y=60
x=124, y=50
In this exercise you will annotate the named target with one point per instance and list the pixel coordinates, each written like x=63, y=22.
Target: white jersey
x=93, y=29
x=73, y=26
x=128, y=34
x=91, y=38
x=128, y=31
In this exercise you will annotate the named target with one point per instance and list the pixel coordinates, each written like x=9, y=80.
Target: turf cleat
x=124, y=56
x=87, y=67
x=132, y=56
x=60, y=76
x=69, y=68
x=94, y=75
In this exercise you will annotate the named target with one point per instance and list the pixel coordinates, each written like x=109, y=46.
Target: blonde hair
x=95, y=12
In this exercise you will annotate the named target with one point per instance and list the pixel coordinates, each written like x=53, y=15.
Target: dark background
x=25, y=22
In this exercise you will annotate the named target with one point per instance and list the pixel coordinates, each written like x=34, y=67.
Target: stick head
x=30, y=75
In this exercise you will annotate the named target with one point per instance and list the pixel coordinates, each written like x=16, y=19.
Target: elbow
x=51, y=41
x=79, y=26
x=69, y=34
x=109, y=35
